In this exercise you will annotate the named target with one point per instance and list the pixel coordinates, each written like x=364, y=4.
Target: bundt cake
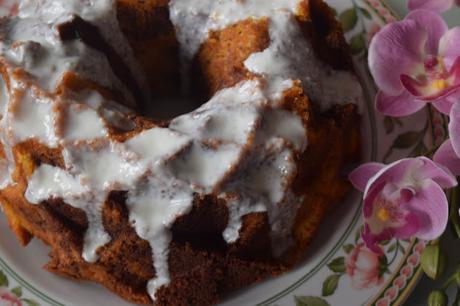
x=179, y=210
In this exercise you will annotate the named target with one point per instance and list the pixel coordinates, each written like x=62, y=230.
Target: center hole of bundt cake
x=171, y=106
x=217, y=64
x=171, y=81
x=176, y=86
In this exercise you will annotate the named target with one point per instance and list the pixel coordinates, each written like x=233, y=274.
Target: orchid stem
x=430, y=123
x=454, y=211
x=449, y=282
x=430, y=153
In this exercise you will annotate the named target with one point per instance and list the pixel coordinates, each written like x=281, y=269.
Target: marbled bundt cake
x=176, y=211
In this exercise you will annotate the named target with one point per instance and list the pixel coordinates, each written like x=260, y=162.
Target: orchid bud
x=438, y=298
x=434, y=261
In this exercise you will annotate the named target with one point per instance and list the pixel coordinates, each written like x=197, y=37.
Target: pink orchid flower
x=403, y=199
x=447, y=157
x=434, y=5
x=414, y=62
x=449, y=153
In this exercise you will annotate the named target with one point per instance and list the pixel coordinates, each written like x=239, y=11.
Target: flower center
x=431, y=78
x=435, y=68
x=439, y=84
x=383, y=214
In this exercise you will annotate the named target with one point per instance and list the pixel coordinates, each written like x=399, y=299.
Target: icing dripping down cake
x=179, y=211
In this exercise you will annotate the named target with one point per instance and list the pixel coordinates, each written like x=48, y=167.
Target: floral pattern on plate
x=11, y=294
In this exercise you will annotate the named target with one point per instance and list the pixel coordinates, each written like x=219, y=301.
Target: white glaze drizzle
x=241, y=145
x=83, y=123
x=195, y=19
x=34, y=43
x=32, y=118
x=289, y=56
x=279, y=64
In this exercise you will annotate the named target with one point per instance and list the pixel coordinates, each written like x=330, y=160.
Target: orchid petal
x=444, y=105
x=398, y=106
x=455, y=71
x=448, y=47
x=446, y=156
x=433, y=24
x=390, y=174
x=361, y=175
x=434, y=5
x=425, y=92
x=418, y=93
x=407, y=194
x=432, y=209
x=454, y=128
x=422, y=168
x=428, y=170
x=410, y=227
x=414, y=87
x=373, y=190
x=395, y=50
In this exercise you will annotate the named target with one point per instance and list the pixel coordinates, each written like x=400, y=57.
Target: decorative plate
x=337, y=270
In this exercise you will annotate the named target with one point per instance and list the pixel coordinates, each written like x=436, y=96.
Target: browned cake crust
x=203, y=267
x=151, y=34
